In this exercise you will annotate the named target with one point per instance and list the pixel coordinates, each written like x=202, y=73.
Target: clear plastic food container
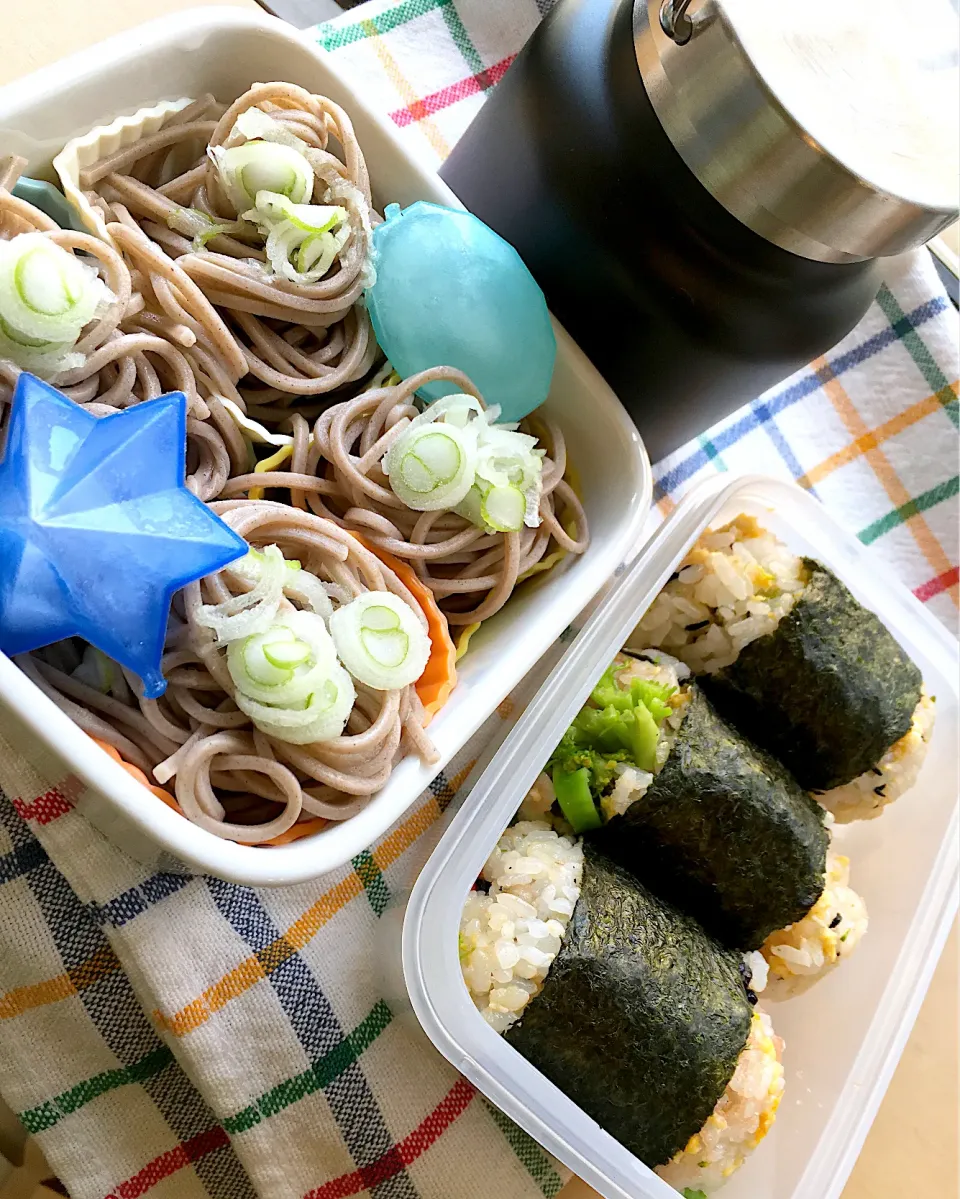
x=844, y=1035
x=224, y=51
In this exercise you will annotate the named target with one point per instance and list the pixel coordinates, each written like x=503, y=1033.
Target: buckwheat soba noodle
x=196, y=734
x=188, y=284
x=296, y=338
x=155, y=332
x=471, y=573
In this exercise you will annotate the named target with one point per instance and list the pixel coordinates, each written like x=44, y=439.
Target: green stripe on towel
x=336, y=37
x=45, y=1115
x=322, y=1073
x=936, y=495
x=536, y=1161
x=917, y=349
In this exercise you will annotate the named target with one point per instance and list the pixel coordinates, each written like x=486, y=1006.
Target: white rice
x=734, y=586
x=756, y=963
x=896, y=772
x=831, y=930
x=631, y=785
x=539, y=800
x=508, y=941
x=741, y=1119
x=510, y=936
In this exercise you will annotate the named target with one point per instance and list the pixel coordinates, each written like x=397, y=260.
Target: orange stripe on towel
x=929, y=545
x=872, y=438
x=251, y=970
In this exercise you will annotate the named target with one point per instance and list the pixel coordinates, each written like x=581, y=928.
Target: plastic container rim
x=316, y=855
x=502, y=784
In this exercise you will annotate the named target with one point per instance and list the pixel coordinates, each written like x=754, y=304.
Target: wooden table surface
x=911, y=1150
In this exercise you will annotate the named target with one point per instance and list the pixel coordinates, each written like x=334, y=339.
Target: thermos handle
x=674, y=21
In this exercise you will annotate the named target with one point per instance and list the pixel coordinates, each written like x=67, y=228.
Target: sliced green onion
x=297, y=584
x=198, y=225
x=200, y=241
x=321, y=716
x=21, y=339
x=96, y=670
x=459, y=410
x=43, y=358
x=265, y=172
x=284, y=664
x=273, y=208
x=315, y=256
x=261, y=166
x=46, y=362
x=470, y=506
x=380, y=640
x=510, y=468
x=47, y=296
x=431, y=466
x=433, y=460
x=316, y=247
x=288, y=680
x=513, y=453
x=44, y=289
x=257, y=666
x=287, y=655
x=254, y=612
x=256, y=125
x=308, y=590
x=458, y=417
x=302, y=239
x=497, y=487
x=508, y=482
x=388, y=650
x=503, y=508
x=283, y=252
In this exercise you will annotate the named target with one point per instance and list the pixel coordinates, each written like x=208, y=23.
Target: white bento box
x=224, y=51
x=845, y=1034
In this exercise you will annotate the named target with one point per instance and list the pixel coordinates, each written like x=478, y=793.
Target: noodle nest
x=290, y=411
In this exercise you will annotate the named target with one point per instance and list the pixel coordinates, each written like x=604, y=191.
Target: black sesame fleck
x=836, y=920
x=876, y=770
x=880, y=790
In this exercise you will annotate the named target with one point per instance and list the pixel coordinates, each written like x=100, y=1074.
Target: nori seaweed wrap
x=724, y=832
x=828, y=691
x=642, y=1017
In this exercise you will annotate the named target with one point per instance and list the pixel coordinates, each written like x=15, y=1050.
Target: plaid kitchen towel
x=175, y=1036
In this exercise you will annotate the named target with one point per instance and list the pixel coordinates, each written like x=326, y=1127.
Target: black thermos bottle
x=701, y=224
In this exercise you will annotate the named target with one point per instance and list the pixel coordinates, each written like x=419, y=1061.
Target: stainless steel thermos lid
x=829, y=127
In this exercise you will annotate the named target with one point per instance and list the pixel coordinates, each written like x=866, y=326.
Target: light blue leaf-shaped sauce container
x=451, y=292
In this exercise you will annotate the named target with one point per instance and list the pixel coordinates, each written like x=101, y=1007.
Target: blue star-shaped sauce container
x=97, y=529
